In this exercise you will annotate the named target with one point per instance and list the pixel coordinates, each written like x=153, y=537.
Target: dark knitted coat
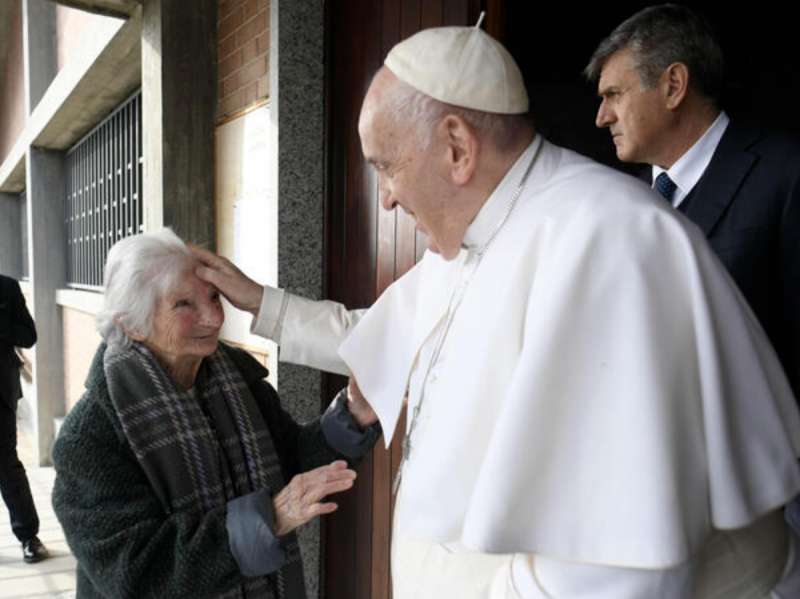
x=125, y=543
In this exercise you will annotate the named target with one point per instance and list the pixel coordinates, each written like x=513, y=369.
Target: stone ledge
x=82, y=93
x=89, y=302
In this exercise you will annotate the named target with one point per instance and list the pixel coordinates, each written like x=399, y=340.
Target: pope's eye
x=182, y=303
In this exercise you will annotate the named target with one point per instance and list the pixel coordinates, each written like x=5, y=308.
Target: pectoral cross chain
x=452, y=307
x=403, y=459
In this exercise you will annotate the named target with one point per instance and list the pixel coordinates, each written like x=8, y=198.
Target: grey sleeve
x=343, y=433
x=253, y=543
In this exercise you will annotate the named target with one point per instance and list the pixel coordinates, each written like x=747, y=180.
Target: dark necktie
x=665, y=186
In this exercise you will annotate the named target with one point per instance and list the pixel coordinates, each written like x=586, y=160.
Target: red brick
x=251, y=93
x=230, y=23
x=245, y=33
x=241, y=36
x=231, y=104
x=251, y=8
x=263, y=42
x=231, y=84
x=230, y=64
x=263, y=86
x=254, y=69
x=226, y=46
x=249, y=51
x=262, y=21
x=252, y=28
x=226, y=7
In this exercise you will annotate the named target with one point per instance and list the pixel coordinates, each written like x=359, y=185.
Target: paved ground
x=54, y=577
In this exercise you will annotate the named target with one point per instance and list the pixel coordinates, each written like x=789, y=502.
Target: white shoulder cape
x=606, y=394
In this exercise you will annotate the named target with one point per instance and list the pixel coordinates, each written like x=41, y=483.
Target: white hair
x=409, y=108
x=139, y=270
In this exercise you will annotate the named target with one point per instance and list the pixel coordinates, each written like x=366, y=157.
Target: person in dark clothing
x=660, y=75
x=178, y=473
x=16, y=330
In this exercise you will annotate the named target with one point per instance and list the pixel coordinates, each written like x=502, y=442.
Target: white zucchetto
x=462, y=66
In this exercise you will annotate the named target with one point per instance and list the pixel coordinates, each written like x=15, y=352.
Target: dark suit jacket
x=16, y=330
x=748, y=205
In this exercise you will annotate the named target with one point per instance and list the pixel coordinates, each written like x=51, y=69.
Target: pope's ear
x=462, y=148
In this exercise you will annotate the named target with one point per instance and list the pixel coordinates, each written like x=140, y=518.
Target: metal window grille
x=23, y=227
x=104, y=197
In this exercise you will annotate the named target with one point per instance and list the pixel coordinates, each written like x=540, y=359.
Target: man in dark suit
x=660, y=74
x=16, y=330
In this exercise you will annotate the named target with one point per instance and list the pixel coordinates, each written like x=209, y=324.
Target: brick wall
x=243, y=47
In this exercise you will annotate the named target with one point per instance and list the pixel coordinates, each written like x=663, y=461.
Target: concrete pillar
x=297, y=84
x=179, y=92
x=10, y=237
x=46, y=247
x=39, y=49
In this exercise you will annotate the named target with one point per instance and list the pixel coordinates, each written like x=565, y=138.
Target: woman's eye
x=182, y=303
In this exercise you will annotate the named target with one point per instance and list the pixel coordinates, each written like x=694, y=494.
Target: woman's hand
x=301, y=500
x=241, y=291
x=358, y=406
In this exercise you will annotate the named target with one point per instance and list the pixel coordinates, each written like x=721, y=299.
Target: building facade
x=122, y=116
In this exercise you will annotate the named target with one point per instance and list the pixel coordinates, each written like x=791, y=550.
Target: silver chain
x=459, y=291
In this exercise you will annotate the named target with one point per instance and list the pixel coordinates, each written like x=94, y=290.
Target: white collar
x=688, y=169
x=485, y=222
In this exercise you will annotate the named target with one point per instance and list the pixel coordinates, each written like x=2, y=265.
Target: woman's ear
x=136, y=336
x=462, y=149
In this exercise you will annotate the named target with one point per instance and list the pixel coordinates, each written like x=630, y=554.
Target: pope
x=580, y=421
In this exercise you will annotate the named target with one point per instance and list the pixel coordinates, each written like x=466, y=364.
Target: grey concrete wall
x=46, y=242
x=179, y=94
x=297, y=83
x=39, y=34
x=10, y=236
x=12, y=78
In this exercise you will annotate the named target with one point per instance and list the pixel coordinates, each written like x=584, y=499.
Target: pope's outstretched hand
x=241, y=291
x=358, y=406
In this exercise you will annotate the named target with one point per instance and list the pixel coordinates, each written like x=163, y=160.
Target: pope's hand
x=302, y=499
x=241, y=291
x=358, y=406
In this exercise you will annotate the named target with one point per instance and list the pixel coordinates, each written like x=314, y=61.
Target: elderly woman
x=172, y=470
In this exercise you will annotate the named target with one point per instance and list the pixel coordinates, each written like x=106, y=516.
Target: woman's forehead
x=186, y=281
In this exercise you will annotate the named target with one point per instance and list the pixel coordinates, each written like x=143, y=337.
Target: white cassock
x=605, y=417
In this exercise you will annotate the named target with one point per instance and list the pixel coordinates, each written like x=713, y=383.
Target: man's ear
x=462, y=146
x=675, y=84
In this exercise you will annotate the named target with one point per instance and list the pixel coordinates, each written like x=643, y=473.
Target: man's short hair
x=662, y=35
x=410, y=108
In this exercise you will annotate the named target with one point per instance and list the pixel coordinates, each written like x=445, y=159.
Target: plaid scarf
x=201, y=447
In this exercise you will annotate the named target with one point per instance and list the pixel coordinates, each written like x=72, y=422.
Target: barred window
x=23, y=227
x=104, y=198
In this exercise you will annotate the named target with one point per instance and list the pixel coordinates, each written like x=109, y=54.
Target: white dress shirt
x=688, y=169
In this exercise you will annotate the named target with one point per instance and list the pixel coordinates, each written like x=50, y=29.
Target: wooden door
x=366, y=248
